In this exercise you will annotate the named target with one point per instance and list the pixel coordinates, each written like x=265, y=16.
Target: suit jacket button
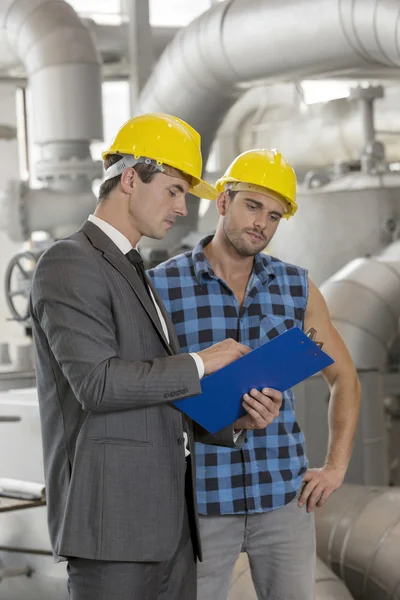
x=181, y=440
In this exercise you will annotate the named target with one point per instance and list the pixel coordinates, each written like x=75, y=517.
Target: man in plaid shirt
x=259, y=499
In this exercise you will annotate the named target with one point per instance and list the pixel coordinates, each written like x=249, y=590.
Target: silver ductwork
x=64, y=71
x=240, y=41
x=327, y=585
x=310, y=136
x=112, y=42
x=363, y=301
x=358, y=532
x=63, y=67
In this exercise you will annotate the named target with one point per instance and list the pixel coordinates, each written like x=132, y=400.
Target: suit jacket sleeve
x=71, y=304
x=224, y=437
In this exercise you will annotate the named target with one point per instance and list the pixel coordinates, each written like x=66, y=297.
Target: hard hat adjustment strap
x=129, y=161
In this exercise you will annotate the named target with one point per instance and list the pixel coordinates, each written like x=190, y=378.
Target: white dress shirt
x=125, y=246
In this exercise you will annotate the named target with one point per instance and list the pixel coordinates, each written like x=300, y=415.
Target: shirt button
x=181, y=440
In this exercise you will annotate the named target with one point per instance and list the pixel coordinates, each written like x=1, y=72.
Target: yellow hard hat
x=263, y=170
x=166, y=140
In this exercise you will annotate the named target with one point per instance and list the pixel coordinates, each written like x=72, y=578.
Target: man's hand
x=320, y=483
x=221, y=354
x=262, y=408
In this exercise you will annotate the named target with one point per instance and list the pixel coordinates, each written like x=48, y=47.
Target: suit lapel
x=173, y=339
x=114, y=256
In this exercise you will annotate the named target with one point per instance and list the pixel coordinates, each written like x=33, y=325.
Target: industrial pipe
x=358, y=532
x=64, y=70
x=363, y=302
x=239, y=41
x=63, y=66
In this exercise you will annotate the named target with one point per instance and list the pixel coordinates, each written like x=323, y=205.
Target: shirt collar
x=262, y=269
x=116, y=236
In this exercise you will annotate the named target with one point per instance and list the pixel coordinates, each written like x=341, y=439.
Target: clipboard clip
x=312, y=334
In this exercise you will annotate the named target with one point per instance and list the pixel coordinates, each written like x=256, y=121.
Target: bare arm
x=344, y=404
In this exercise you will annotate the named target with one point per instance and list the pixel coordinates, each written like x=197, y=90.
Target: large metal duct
x=358, y=533
x=310, y=137
x=363, y=301
x=244, y=40
x=111, y=40
x=64, y=71
x=327, y=585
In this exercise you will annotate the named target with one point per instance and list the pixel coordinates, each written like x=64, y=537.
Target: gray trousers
x=280, y=545
x=174, y=579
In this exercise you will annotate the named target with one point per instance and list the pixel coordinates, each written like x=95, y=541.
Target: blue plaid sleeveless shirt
x=267, y=472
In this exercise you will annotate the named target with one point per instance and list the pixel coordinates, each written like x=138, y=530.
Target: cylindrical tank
x=327, y=585
x=353, y=216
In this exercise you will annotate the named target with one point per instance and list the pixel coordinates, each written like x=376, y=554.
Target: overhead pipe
x=275, y=115
x=199, y=75
x=358, y=532
x=63, y=67
x=111, y=41
x=64, y=70
x=239, y=41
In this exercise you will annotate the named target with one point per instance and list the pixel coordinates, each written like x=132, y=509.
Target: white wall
x=9, y=169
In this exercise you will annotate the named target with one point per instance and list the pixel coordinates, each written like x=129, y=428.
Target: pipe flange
x=69, y=169
x=370, y=92
x=13, y=217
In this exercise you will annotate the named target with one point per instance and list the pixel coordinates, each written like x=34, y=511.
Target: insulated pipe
x=363, y=301
x=64, y=70
x=111, y=41
x=327, y=585
x=58, y=212
x=240, y=41
x=358, y=533
x=63, y=67
x=272, y=114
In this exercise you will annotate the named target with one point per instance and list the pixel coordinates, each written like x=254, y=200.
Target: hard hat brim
x=202, y=189
x=292, y=205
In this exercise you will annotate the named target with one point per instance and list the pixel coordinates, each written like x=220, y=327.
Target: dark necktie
x=136, y=260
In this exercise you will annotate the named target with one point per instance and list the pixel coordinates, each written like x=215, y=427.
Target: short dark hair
x=145, y=172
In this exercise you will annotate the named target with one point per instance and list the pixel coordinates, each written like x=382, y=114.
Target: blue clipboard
x=280, y=363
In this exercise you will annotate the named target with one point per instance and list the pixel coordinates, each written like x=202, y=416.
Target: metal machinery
x=63, y=67
x=349, y=211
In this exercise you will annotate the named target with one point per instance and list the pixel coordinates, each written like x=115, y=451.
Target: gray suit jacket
x=113, y=444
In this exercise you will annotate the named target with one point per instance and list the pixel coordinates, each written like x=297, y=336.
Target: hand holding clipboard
x=280, y=364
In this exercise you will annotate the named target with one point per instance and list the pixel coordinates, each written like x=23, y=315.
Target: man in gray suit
x=119, y=479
